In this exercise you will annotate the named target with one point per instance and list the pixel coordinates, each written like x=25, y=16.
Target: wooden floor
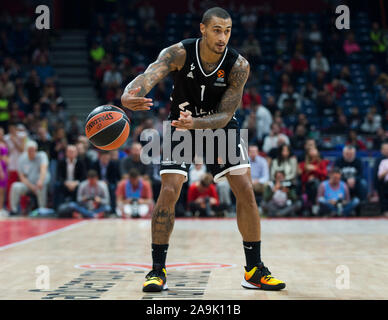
x=108, y=259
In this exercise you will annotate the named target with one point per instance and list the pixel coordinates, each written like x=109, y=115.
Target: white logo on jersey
x=183, y=165
x=190, y=75
x=192, y=67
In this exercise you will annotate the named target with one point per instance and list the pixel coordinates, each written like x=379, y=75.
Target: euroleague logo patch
x=220, y=73
x=148, y=266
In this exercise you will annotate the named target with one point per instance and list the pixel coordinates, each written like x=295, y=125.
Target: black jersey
x=198, y=91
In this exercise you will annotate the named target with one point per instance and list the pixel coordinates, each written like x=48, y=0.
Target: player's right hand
x=134, y=103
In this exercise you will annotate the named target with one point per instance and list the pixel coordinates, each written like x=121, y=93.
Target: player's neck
x=207, y=55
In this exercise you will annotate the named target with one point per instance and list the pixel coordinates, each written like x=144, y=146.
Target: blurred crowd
x=312, y=88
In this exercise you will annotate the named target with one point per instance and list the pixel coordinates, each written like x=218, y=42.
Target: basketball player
x=209, y=79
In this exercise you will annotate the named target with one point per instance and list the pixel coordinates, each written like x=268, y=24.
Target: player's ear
x=202, y=28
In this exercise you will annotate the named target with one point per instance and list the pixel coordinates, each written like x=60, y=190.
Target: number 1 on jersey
x=202, y=91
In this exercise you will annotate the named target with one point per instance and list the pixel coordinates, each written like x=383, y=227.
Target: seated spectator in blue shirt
x=352, y=173
x=259, y=169
x=44, y=70
x=333, y=196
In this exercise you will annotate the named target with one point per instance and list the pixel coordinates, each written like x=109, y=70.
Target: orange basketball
x=107, y=127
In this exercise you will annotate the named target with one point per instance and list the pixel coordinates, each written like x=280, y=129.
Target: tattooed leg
x=163, y=215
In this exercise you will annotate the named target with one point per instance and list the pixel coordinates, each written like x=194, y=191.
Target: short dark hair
x=206, y=180
x=92, y=174
x=133, y=173
x=214, y=12
x=335, y=170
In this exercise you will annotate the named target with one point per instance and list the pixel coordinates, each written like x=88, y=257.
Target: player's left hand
x=184, y=122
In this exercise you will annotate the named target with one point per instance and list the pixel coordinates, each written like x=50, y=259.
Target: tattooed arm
x=169, y=59
x=230, y=101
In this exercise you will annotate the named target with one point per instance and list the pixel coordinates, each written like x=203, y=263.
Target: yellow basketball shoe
x=156, y=281
x=259, y=277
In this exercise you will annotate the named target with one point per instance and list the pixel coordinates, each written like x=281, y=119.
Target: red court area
x=12, y=231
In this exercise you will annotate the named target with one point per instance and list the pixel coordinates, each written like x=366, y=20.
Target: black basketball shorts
x=224, y=151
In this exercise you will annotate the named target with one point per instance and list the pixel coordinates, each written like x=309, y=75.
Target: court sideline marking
x=41, y=236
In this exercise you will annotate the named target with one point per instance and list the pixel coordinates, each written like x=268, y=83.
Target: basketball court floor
x=108, y=259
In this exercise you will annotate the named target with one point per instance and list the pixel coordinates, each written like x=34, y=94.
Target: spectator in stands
x=278, y=68
x=90, y=153
x=33, y=86
x=108, y=170
x=278, y=119
x=51, y=96
x=333, y=196
x=304, y=121
x=371, y=76
x=92, y=197
x=352, y=173
x=202, y=197
x=134, y=161
x=286, y=163
x=33, y=175
x=3, y=173
x=15, y=141
x=312, y=170
x=251, y=96
x=112, y=78
x=379, y=45
x=70, y=173
x=250, y=123
x=344, y=76
x=44, y=70
x=309, y=92
x=97, y=52
x=280, y=198
x=74, y=128
x=352, y=139
x=326, y=104
x=299, y=43
x=371, y=123
x=81, y=151
x=197, y=170
x=315, y=35
x=134, y=196
x=289, y=102
x=274, y=139
x=298, y=139
x=383, y=177
x=281, y=45
x=354, y=118
x=249, y=20
x=284, y=83
x=350, y=45
x=7, y=87
x=319, y=63
x=259, y=169
x=334, y=45
x=381, y=137
x=263, y=122
x=335, y=88
x=299, y=64
x=251, y=48
x=379, y=179
x=271, y=104
x=339, y=125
